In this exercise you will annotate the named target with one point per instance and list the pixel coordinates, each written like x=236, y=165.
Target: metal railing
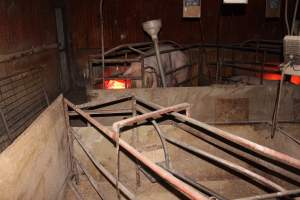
x=278, y=164
x=22, y=99
x=137, y=52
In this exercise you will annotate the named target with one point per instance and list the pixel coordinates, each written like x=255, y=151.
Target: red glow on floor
x=272, y=77
x=295, y=80
x=117, y=84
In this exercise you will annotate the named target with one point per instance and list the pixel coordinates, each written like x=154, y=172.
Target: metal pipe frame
x=270, y=153
x=184, y=186
x=138, y=49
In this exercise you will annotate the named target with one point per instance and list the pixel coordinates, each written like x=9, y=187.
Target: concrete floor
x=215, y=178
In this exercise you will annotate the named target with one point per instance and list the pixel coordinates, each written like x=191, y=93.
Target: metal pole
x=196, y=185
x=241, y=170
x=277, y=106
x=135, y=141
x=160, y=67
x=274, y=195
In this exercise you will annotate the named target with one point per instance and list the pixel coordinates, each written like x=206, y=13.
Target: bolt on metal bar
x=237, y=168
x=101, y=168
x=268, y=152
x=182, y=187
x=294, y=193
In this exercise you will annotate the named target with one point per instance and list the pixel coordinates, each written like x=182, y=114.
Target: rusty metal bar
x=161, y=137
x=294, y=193
x=270, y=153
x=101, y=168
x=99, y=104
x=104, y=112
x=92, y=181
x=184, y=188
x=74, y=169
x=249, y=159
x=135, y=141
x=237, y=168
x=196, y=185
x=153, y=115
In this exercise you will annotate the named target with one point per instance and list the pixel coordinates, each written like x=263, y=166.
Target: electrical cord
x=286, y=17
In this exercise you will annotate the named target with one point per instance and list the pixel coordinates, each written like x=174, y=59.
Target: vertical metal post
x=135, y=141
x=160, y=67
x=143, y=71
x=277, y=105
x=71, y=143
x=262, y=69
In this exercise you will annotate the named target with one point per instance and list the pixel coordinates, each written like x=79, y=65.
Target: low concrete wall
x=218, y=103
x=37, y=164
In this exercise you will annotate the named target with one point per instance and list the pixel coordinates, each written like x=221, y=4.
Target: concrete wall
x=218, y=103
x=37, y=164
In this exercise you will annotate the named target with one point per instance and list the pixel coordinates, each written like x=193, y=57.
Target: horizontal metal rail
x=237, y=168
x=290, y=193
x=153, y=115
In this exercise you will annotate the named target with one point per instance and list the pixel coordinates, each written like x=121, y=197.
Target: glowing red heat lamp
x=295, y=80
x=117, y=84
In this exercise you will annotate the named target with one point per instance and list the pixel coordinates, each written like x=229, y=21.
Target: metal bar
x=32, y=51
x=274, y=195
x=103, y=112
x=75, y=191
x=92, y=181
x=237, y=168
x=101, y=168
x=99, y=104
x=74, y=169
x=161, y=137
x=135, y=141
x=156, y=114
x=185, y=189
x=194, y=184
x=277, y=106
x=270, y=153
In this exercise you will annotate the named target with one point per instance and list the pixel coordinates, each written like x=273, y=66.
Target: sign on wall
x=273, y=8
x=192, y=8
